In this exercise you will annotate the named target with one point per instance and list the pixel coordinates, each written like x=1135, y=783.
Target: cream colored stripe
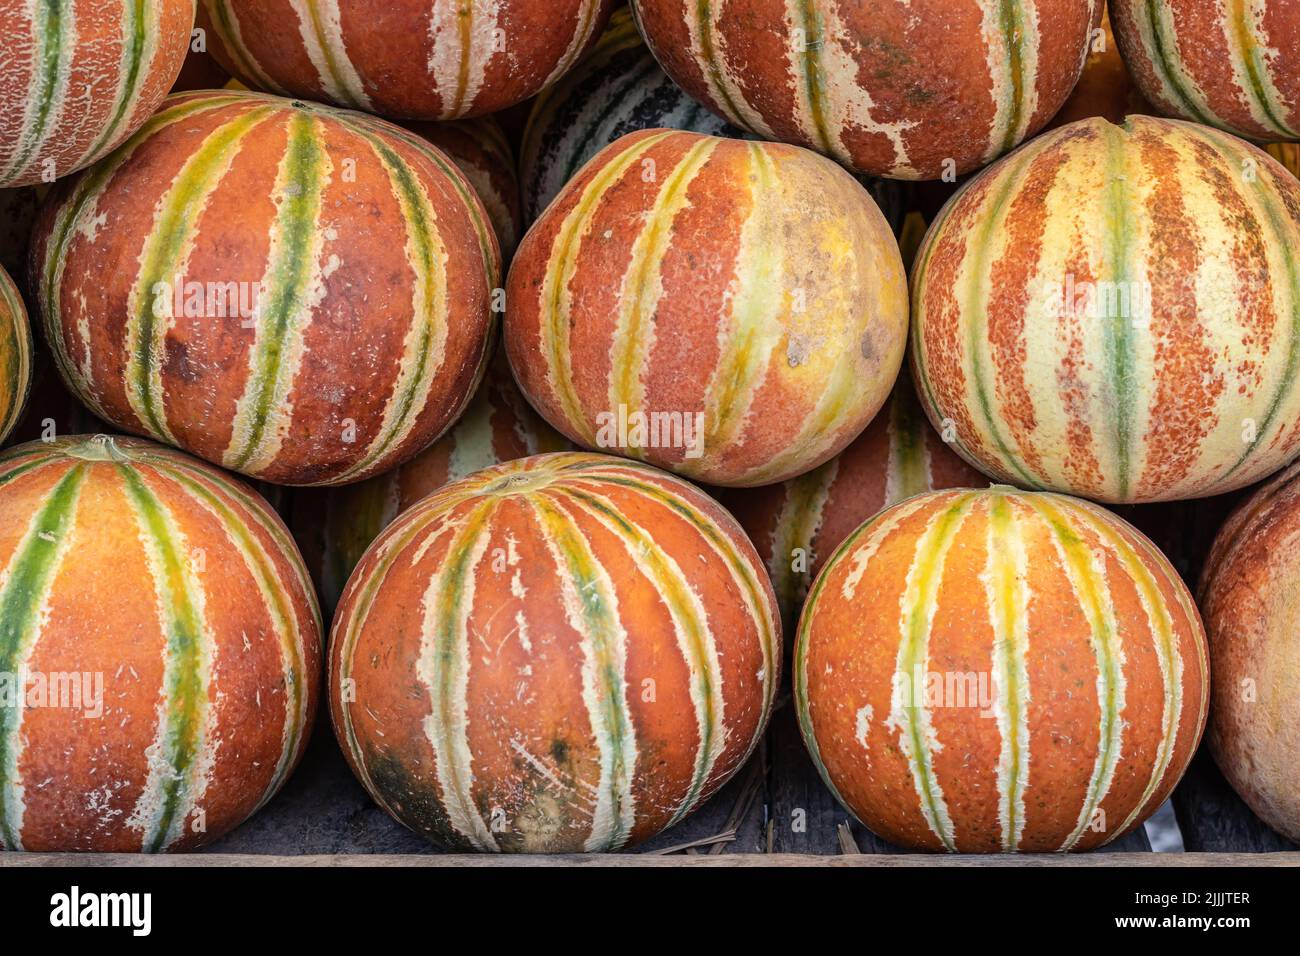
x=29, y=574
x=1073, y=393
x=1086, y=571
x=556, y=299
x=846, y=105
x=657, y=486
x=256, y=510
x=228, y=30
x=290, y=290
x=47, y=98
x=863, y=551
x=709, y=50
x=642, y=285
x=1170, y=659
x=1191, y=615
x=184, y=713
x=1249, y=374
x=859, y=551
x=586, y=26
x=907, y=470
x=589, y=597
x=78, y=216
x=909, y=717
x=1253, y=65
x=796, y=526
x=321, y=31
x=289, y=638
x=483, y=227
x=443, y=667
x=983, y=244
x=695, y=639
x=348, y=629
x=757, y=303
x=164, y=261
x=424, y=350
x=464, y=37
x=1012, y=71
x=1006, y=586
x=1161, y=42
x=129, y=87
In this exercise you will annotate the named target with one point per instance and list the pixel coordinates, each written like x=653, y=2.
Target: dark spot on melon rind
x=539, y=810
x=919, y=96
x=176, y=362
x=412, y=800
x=868, y=348
x=896, y=54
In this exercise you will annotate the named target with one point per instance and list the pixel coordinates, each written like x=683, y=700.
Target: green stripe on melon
x=54, y=25
x=184, y=681
x=28, y=579
x=296, y=230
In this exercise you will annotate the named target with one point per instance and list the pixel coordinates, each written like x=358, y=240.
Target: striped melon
x=480, y=150
x=1105, y=87
x=992, y=671
x=152, y=593
x=1115, y=312
x=15, y=355
x=563, y=653
x=298, y=293
x=1252, y=613
x=909, y=89
x=335, y=526
x=735, y=312
x=799, y=523
x=80, y=76
x=408, y=59
x=1224, y=63
x=616, y=89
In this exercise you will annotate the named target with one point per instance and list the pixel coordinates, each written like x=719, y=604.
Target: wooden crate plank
x=1135, y=842
x=804, y=817
x=623, y=860
x=1214, y=819
x=870, y=843
x=730, y=822
x=751, y=828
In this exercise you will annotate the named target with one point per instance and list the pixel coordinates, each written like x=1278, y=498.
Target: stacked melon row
x=544, y=649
